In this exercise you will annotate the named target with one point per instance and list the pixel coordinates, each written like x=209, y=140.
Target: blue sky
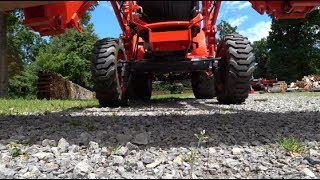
x=238, y=13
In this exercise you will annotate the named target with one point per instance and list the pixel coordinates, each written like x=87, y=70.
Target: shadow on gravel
x=227, y=126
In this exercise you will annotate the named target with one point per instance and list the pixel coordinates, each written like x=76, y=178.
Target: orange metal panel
x=170, y=40
x=11, y=5
x=285, y=9
x=53, y=19
x=169, y=36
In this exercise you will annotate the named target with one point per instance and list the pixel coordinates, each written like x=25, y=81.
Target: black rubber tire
x=106, y=74
x=203, y=86
x=235, y=69
x=141, y=87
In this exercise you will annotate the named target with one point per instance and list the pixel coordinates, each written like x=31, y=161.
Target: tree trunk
x=3, y=57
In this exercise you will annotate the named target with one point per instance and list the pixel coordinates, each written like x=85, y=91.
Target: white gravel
x=151, y=140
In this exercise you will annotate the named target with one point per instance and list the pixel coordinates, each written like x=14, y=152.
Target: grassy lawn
x=26, y=106
x=37, y=106
x=170, y=96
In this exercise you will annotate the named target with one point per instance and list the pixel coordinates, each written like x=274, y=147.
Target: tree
x=225, y=28
x=27, y=50
x=69, y=54
x=293, y=47
x=261, y=53
x=23, y=47
x=3, y=58
x=24, y=84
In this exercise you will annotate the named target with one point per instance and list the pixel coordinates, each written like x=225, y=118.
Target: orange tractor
x=162, y=40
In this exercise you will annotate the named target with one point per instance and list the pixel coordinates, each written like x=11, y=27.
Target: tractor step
x=142, y=66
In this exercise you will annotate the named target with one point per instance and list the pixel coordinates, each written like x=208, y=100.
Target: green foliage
x=14, y=149
x=116, y=149
x=191, y=157
x=261, y=51
x=225, y=28
x=174, y=88
x=202, y=138
x=24, y=84
x=294, y=47
x=23, y=45
x=69, y=54
x=292, y=145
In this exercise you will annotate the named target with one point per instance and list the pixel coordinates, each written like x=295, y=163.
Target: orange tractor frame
x=180, y=44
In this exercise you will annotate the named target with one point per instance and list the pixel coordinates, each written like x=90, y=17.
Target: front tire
x=203, y=86
x=141, y=87
x=235, y=69
x=106, y=73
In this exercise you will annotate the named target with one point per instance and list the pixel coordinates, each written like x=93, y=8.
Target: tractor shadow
x=169, y=124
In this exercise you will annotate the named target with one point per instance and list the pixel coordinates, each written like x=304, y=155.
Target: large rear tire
x=235, y=69
x=203, y=85
x=107, y=74
x=141, y=87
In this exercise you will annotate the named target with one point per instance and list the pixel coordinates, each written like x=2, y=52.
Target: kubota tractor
x=163, y=40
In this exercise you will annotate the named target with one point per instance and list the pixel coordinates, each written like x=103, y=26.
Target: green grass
x=14, y=149
x=36, y=106
x=170, y=96
x=292, y=145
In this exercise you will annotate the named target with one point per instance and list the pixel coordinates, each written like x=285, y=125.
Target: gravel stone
x=43, y=155
x=236, y=151
x=63, y=145
x=147, y=160
x=92, y=176
x=156, y=136
x=313, y=160
x=117, y=160
x=131, y=146
x=141, y=138
x=123, y=151
x=48, y=142
x=55, y=151
x=308, y=172
x=154, y=164
x=313, y=152
x=81, y=169
x=84, y=138
x=140, y=166
x=123, y=138
x=6, y=173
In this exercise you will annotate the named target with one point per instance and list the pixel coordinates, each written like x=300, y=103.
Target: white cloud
x=258, y=31
x=244, y=5
x=236, y=5
x=237, y=21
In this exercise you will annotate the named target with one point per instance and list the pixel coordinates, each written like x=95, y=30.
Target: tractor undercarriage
x=163, y=40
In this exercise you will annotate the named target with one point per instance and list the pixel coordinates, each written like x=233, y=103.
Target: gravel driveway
x=155, y=139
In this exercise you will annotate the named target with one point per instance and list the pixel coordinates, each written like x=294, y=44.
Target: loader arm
x=49, y=17
x=53, y=17
x=285, y=9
